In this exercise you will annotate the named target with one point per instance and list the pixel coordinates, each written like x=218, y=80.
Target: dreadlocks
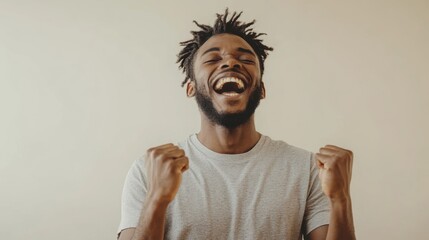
x=221, y=25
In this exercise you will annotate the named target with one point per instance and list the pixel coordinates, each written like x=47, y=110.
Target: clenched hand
x=165, y=165
x=335, y=171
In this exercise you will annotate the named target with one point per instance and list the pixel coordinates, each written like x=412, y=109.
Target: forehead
x=224, y=41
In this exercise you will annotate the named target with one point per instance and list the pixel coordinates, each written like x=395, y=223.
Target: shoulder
x=188, y=141
x=139, y=164
x=286, y=149
x=137, y=172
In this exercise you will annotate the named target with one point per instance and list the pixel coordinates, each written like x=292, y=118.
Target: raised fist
x=164, y=167
x=335, y=171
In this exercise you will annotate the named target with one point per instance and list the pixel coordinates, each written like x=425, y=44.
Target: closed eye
x=248, y=61
x=212, y=60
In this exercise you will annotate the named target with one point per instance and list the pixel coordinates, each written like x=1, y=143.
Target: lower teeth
x=230, y=93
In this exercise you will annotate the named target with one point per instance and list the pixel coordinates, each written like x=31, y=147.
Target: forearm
x=341, y=225
x=152, y=220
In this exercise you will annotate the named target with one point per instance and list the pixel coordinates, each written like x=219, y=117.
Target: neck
x=228, y=141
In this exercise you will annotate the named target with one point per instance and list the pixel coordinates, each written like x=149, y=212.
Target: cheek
x=199, y=76
x=200, y=73
x=256, y=76
x=200, y=87
x=258, y=69
x=202, y=76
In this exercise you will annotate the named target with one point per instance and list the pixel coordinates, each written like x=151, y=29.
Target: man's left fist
x=335, y=171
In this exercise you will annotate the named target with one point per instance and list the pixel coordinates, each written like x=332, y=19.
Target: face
x=227, y=81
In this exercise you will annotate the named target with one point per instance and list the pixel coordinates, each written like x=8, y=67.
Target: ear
x=262, y=90
x=190, y=89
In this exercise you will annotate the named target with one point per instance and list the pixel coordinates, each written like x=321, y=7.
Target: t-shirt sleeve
x=317, y=208
x=133, y=194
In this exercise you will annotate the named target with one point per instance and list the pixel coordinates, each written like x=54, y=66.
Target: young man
x=229, y=181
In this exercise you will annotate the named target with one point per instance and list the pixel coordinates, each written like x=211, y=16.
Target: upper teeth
x=222, y=81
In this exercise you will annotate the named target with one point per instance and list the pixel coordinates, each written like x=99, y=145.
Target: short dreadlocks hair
x=221, y=25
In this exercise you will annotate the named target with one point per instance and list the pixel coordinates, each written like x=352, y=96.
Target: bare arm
x=340, y=224
x=152, y=220
x=335, y=172
x=164, y=165
x=126, y=234
x=151, y=224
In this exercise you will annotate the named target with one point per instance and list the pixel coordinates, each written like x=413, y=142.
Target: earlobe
x=190, y=89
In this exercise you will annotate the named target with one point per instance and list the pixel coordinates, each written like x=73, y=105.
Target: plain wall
x=87, y=86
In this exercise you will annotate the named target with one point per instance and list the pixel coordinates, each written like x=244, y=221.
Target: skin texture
x=228, y=61
x=227, y=120
x=227, y=55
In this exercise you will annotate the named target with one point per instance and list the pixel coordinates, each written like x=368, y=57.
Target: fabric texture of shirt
x=270, y=192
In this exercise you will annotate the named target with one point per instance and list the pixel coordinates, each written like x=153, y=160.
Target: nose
x=230, y=62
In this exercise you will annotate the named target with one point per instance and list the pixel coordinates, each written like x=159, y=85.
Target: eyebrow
x=245, y=50
x=214, y=49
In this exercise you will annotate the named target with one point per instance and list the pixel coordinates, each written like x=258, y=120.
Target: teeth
x=222, y=81
x=230, y=94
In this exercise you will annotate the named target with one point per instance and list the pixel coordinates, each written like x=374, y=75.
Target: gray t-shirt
x=270, y=192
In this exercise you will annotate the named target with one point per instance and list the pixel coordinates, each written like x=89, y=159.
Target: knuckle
x=151, y=154
x=170, y=166
x=162, y=156
x=149, y=151
x=346, y=155
x=156, y=152
x=337, y=158
x=185, y=160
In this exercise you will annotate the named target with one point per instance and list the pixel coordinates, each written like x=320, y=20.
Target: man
x=229, y=181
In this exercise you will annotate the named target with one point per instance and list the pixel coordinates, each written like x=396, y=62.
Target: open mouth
x=229, y=86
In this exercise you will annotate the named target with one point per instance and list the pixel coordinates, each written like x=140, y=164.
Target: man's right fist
x=164, y=167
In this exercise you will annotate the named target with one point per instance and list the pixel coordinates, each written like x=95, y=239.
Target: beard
x=228, y=120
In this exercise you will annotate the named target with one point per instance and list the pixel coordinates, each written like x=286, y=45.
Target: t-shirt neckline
x=239, y=157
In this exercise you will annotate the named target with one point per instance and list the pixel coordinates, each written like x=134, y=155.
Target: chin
x=232, y=111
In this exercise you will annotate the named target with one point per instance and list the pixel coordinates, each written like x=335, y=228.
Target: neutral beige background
x=87, y=86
